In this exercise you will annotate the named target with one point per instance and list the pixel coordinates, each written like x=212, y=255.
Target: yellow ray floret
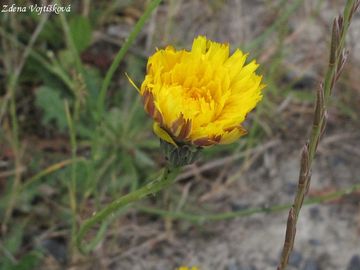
x=200, y=96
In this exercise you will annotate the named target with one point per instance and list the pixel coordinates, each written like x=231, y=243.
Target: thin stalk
x=17, y=71
x=15, y=142
x=72, y=186
x=49, y=170
x=70, y=42
x=53, y=67
x=336, y=63
x=120, y=55
x=152, y=187
x=80, y=82
x=199, y=218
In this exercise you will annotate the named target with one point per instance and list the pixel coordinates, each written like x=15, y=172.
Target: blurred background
x=64, y=154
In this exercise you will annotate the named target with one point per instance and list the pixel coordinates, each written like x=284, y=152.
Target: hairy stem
x=152, y=187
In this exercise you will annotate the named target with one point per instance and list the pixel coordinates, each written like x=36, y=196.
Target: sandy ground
x=327, y=235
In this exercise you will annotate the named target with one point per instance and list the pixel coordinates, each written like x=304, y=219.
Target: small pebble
x=311, y=264
x=55, y=248
x=238, y=206
x=295, y=259
x=314, y=242
x=354, y=263
x=306, y=82
x=290, y=188
x=315, y=213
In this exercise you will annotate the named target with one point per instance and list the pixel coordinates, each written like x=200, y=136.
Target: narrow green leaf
x=80, y=29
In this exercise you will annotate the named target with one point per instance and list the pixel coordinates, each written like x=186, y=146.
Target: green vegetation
x=74, y=135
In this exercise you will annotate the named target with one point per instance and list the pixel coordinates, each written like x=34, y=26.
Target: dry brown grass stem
x=337, y=60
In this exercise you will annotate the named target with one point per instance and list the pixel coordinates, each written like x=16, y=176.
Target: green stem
x=53, y=67
x=151, y=188
x=14, y=76
x=134, y=33
x=70, y=42
x=201, y=218
x=72, y=185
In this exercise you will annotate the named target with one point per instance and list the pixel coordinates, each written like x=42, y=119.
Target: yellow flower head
x=200, y=97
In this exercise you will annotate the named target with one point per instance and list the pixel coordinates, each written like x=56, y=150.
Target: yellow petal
x=233, y=135
x=199, y=45
x=163, y=134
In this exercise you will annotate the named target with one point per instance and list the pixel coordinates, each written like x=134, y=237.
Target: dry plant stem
x=152, y=187
x=336, y=64
x=49, y=170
